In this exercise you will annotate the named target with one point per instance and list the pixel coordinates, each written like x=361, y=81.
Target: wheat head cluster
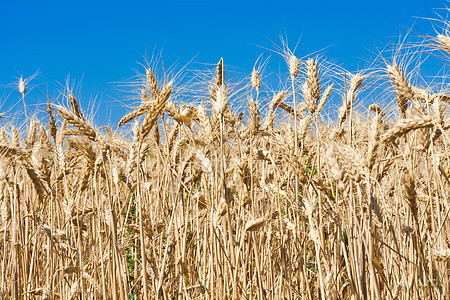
x=204, y=200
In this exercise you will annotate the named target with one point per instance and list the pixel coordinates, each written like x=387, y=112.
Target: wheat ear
x=355, y=84
x=256, y=80
x=324, y=98
x=220, y=73
x=311, y=87
x=441, y=254
x=51, y=121
x=254, y=116
x=152, y=84
x=254, y=225
x=81, y=124
x=276, y=101
x=75, y=107
x=294, y=66
x=404, y=126
x=152, y=116
x=401, y=85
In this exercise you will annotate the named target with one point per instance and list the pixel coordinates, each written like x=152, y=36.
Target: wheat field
x=211, y=199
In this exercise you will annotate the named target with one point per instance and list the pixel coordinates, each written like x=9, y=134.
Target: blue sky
x=100, y=44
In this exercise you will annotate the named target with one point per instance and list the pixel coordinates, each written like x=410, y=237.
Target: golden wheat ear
x=152, y=115
x=402, y=87
x=348, y=102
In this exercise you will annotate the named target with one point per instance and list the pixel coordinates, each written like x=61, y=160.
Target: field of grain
x=207, y=200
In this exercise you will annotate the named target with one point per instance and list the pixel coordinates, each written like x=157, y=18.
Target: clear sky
x=101, y=43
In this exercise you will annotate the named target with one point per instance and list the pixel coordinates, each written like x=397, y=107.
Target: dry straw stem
x=171, y=136
x=404, y=126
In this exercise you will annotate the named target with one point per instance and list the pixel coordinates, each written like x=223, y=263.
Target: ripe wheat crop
x=207, y=201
